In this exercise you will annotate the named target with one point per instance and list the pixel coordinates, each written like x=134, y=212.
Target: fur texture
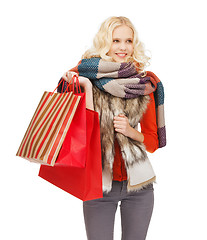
x=108, y=106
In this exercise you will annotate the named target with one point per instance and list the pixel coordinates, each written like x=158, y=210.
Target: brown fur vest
x=108, y=106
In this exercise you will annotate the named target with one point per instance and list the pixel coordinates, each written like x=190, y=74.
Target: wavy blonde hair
x=103, y=40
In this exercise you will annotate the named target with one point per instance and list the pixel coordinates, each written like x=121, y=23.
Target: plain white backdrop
x=40, y=40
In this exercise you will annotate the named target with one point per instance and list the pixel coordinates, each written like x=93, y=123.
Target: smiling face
x=122, y=44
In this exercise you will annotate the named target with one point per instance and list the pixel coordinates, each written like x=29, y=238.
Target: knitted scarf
x=122, y=80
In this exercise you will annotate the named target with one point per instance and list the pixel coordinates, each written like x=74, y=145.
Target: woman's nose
x=122, y=46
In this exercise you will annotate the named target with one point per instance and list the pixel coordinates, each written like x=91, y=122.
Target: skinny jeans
x=135, y=210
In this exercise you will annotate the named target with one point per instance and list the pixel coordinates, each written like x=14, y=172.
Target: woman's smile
x=121, y=55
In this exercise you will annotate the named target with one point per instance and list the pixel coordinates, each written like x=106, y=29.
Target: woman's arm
x=148, y=125
x=148, y=134
x=87, y=86
x=89, y=95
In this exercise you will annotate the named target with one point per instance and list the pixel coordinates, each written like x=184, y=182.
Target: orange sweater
x=149, y=130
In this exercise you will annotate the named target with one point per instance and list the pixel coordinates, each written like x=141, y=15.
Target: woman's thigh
x=136, y=211
x=99, y=215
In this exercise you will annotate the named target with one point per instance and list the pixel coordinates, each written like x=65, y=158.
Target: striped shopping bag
x=48, y=127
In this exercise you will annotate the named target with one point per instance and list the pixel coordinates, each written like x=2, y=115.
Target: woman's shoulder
x=152, y=74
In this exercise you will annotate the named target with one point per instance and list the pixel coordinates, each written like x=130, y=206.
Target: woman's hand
x=121, y=125
x=67, y=76
x=84, y=82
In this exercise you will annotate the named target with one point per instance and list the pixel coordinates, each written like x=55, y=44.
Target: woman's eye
x=117, y=41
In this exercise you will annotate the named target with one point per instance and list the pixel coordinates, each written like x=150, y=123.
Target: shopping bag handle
x=72, y=86
x=72, y=82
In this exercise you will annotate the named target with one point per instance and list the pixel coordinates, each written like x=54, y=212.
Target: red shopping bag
x=48, y=127
x=73, y=150
x=83, y=183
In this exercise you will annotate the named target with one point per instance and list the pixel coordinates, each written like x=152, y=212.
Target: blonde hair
x=103, y=40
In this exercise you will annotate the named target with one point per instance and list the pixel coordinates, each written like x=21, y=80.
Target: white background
x=40, y=40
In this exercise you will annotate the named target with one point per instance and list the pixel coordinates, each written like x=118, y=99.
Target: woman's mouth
x=121, y=55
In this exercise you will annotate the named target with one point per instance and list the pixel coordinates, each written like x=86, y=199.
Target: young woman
x=117, y=87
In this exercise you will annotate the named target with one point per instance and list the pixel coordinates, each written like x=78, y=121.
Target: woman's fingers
x=68, y=75
x=120, y=121
x=83, y=81
x=121, y=124
x=64, y=76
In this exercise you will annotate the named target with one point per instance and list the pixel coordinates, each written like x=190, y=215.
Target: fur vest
x=139, y=169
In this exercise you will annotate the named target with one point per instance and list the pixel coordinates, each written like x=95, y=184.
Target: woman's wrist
x=89, y=95
x=85, y=83
x=136, y=135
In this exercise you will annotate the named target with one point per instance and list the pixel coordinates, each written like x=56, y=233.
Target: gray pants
x=136, y=211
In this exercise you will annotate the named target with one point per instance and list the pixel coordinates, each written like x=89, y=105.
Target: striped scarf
x=122, y=80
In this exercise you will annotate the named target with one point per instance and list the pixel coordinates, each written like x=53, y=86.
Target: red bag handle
x=72, y=82
x=73, y=85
